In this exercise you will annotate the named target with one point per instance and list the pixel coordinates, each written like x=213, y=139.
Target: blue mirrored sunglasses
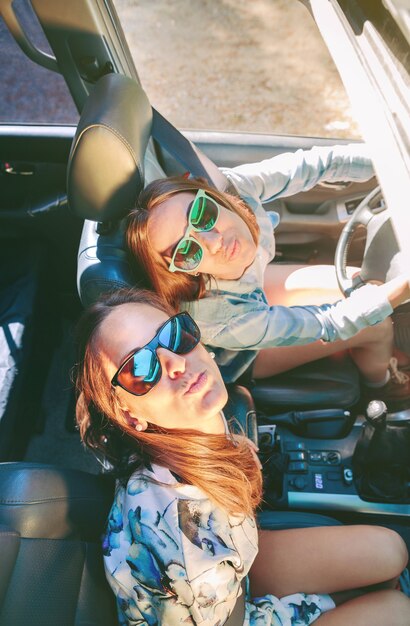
x=141, y=371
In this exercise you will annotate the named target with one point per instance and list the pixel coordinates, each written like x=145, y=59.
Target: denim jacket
x=234, y=316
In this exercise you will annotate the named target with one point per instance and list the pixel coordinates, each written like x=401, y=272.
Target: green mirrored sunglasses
x=202, y=217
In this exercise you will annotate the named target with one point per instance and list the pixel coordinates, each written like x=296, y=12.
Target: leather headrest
x=105, y=168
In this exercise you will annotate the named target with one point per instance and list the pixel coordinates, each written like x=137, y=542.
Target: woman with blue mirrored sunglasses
x=210, y=252
x=181, y=538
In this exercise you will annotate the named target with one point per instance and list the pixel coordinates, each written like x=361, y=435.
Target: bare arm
x=397, y=290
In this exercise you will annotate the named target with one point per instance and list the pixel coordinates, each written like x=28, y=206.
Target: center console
x=324, y=474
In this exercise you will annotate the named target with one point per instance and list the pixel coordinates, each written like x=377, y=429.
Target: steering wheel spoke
x=362, y=216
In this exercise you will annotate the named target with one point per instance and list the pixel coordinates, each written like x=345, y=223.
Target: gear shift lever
x=381, y=460
x=376, y=414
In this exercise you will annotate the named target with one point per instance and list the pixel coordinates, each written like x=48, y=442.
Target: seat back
x=104, y=177
x=329, y=383
x=51, y=521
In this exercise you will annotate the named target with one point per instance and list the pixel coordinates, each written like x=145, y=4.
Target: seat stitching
x=117, y=134
x=45, y=500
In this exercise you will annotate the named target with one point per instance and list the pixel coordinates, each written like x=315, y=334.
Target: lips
x=233, y=250
x=197, y=383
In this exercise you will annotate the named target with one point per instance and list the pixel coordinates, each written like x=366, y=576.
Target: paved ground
x=257, y=65
x=29, y=93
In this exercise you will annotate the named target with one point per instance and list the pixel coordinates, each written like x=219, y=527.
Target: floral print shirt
x=172, y=557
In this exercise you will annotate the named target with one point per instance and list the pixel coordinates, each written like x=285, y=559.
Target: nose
x=171, y=363
x=212, y=240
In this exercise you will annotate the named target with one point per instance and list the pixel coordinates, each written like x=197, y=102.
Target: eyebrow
x=129, y=355
x=134, y=350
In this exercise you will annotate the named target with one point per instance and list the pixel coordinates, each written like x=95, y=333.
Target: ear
x=135, y=422
x=132, y=420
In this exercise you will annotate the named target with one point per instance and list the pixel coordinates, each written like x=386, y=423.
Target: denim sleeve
x=251, y=323
x=292, y=172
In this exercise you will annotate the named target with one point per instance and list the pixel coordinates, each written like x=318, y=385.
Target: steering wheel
x=362, y=216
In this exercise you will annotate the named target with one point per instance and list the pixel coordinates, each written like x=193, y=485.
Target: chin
x=236, y=275
x=215, y=400
x=244, y=264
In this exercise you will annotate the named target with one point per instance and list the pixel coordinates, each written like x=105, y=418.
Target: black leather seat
x=51, y=520
x=107, y=168
x=51, y=571
x=329, y=383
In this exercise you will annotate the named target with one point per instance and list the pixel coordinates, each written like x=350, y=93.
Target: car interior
x=328, y=457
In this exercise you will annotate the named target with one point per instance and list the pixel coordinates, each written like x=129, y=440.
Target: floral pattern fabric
x=172, y=558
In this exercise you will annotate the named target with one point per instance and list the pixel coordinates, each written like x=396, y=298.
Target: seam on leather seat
x=90, y=252
x=105, y=284
x=49, y=500
x=77, y=617
x=72, y=540
x=116, y=133
x=83, y=605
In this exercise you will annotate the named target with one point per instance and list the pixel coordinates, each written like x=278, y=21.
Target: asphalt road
x=28, y=92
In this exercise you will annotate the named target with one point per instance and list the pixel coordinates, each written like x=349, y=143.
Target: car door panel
x=37, y=267
x=33, y=162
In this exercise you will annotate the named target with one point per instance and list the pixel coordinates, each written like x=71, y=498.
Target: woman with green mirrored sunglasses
x=210, y=252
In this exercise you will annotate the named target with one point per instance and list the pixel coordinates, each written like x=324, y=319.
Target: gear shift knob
x=376, y=413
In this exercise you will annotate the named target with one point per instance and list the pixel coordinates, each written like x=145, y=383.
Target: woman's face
x=228, y=248
x=190, y=392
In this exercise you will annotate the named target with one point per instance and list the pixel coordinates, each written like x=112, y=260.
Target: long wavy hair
x=174, y=287
x=223, y=468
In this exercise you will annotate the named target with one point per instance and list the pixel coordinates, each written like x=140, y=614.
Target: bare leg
x=302, y=284
x=371, y=349
x=376, y=609
x=326, y=560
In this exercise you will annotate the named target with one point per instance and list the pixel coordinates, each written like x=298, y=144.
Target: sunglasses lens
x=141, y=372
x=204, y=213
x=188, y=255
x=180, y=334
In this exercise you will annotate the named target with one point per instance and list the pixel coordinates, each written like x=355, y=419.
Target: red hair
x=223, y=468
x=174, y=287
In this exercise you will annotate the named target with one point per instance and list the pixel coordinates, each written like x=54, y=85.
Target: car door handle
x=18, y=169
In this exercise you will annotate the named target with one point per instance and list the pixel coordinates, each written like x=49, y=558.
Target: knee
x=393, y=551
x=399, y=551
x=397, y=605
x=383, y=331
